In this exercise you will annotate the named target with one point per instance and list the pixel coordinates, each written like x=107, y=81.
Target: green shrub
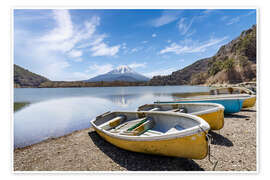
x=215, y=68
x=228, y=64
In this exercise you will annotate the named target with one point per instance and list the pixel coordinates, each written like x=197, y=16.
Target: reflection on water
x=123, y=100
x=53, y=117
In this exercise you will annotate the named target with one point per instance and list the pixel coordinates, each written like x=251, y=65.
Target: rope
x=209, y=140
x=209, y=137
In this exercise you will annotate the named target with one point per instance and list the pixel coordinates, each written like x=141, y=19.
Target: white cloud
x=78, y=59
x=75, y=53
x=65, y=35
x=77, y=76
x=69, y=40
x=177, y=49
x=165, y=18
x=237, y=18
x=93, y=41
x=184, y=26
x=41, y=60
x=223, y=18
x=99, y=39
x=211, y=42
x=249, y=13
x=134, y=50
x=161, y=72
x=144, y=42
x=191, y=48
x=191, y=33
x=154, y=35
x=96, y=69
x=233, y=20
x=181, y=60
x=104, y=50
x=56, y=69
x=137, y=65
x=207, y=11
x=63, y=29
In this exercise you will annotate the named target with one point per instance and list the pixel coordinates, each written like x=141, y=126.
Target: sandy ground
x=234, y=147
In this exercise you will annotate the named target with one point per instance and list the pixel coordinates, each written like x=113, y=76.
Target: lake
x=54, y=112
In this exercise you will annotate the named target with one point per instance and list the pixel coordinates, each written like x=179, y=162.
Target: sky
x=78, y=44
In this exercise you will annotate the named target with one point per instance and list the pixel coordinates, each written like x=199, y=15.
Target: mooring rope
x=209, y=140
x=209, y=137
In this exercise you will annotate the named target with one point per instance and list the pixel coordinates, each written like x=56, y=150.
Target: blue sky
x=79, y=44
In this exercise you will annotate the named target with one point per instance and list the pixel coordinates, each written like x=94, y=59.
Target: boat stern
x=249, y=102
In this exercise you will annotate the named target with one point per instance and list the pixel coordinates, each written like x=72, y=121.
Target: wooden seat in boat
x=134, y=127
x=113, y=122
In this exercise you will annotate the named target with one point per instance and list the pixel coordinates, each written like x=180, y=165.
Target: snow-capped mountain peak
x=122, y=70
x=121, y=73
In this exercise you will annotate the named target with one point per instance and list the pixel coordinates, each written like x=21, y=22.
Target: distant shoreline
x=81, y=84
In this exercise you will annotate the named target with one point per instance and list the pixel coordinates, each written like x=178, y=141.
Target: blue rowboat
x=232, y=104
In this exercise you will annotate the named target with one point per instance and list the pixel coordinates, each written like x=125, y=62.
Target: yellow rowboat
x=232, y=103
x=249, y=100
x=212, y=113
x=231, y=90
x=161, y=133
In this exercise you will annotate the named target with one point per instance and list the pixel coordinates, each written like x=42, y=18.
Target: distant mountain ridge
x=121, y=73
x=234, y=62
x=25, y=78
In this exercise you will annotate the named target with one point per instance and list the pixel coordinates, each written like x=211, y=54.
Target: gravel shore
x=234, y=147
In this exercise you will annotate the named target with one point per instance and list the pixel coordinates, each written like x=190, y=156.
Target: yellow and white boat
x=162, y=133
x=231, y=90
x=212, y=113
x=249, y=99
x=249, y=102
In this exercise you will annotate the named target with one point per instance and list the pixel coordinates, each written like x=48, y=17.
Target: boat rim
x=214, y=109
x=222, y=97
x=202, y=127
x=235, y=87
x=243, y=98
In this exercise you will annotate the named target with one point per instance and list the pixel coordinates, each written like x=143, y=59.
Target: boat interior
x=218, y=97
x=230, y=90
x=178, y=107
x=144, y=123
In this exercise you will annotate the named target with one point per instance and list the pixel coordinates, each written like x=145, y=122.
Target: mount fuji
x=121, y=73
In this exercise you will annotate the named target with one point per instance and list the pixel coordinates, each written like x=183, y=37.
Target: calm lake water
x=54, y=112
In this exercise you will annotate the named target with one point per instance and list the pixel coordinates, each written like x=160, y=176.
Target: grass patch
x=20, y=105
